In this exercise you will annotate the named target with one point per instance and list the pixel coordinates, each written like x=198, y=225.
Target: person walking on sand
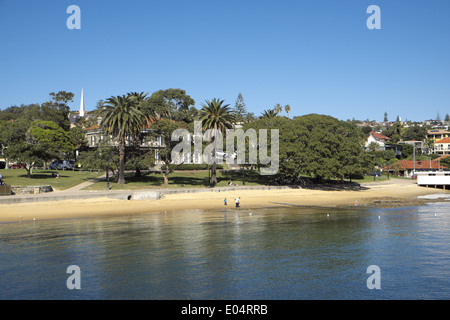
x=237, y=202
x=225, y=201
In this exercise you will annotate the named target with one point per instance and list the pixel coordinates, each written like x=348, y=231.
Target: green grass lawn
x=18, y=177
x=177, y=179
x=181, y=179
x=196, y=179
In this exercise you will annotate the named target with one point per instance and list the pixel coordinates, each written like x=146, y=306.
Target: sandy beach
x=392, y=193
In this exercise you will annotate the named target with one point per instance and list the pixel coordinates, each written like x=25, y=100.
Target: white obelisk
x=82, y=104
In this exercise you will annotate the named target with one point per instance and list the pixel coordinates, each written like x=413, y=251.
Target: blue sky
x=317, y=56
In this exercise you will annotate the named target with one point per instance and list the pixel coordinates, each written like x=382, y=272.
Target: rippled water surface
x=288, y=253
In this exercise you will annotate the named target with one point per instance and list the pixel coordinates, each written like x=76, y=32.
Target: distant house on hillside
x=407, y=167
x=437, y=134
x=432, y=122
x=442, y=146
x=383, y=143
x=378, y=138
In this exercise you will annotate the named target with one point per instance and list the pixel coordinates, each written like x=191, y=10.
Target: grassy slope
x=18, y=177
x=177, y=179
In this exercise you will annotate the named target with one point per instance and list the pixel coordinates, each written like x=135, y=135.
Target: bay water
x=271, y=254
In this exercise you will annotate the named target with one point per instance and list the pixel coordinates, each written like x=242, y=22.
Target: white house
x=378, y=138
x=442, y=147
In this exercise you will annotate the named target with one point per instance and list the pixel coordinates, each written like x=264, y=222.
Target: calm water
x=294, y=253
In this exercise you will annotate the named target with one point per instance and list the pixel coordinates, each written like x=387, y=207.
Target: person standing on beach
x=237, y=202
x=225, y=201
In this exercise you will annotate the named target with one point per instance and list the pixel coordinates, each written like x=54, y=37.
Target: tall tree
x=139, y=159
x=386, y=117
x=123, y=120
x=240, y=111
x=52, y=136
x=278, y=108
x=393, y=132
x=174, y=104
x=163, y=129
x=103, y=157
x=11, y=134
x=44, y=140
x=332, y=148
x=217, y=117
x=317, y=145
x=287, y=108
x=78, y=139
x=57, y=109
x=414, y=133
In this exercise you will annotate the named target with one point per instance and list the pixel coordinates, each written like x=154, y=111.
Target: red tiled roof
x=379, y=136
x=409, y=164
x=92, y=128
x=445, y=140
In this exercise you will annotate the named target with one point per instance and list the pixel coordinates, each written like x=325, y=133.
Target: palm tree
x=287, y=108
x=138, y=95
x=123, y=120
x=269, y=114
x=217, y=117
x=278, y=108
x=137, y=98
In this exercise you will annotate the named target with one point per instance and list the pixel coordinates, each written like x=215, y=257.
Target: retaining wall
x=30, y=189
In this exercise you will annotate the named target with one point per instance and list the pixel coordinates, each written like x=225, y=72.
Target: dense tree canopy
x=174, y=104
x=318, y=146
x=415, y=132
x=314, y=145
x=43, y=141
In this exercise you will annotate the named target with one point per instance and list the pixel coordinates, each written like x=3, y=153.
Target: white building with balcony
x=442, y=147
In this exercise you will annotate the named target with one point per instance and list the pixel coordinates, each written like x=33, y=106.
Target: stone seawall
x=58, y=196
x=30, y=189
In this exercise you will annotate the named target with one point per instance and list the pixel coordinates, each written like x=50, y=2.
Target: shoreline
x=376, y=195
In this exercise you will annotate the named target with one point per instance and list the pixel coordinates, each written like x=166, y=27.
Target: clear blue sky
x=316, y=55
